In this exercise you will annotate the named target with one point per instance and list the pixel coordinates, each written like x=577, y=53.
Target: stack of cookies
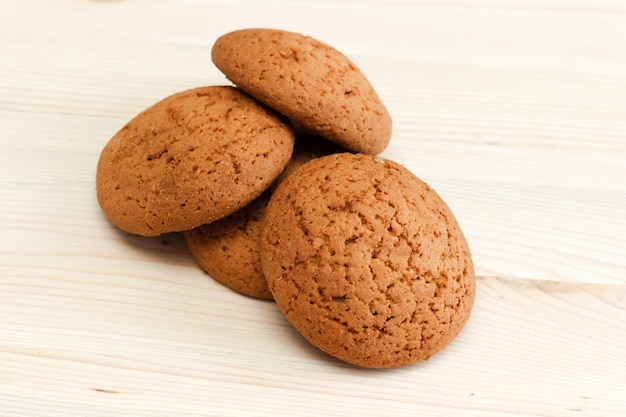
x=275, y=184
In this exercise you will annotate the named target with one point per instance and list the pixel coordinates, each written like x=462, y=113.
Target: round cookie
x=192, y=158
x=228, y=249
x=366, y=261
x=310, y=82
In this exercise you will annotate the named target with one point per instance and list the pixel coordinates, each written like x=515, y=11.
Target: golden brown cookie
x=366, y=261
x=308, y=81
x=228, y=249
x=192, y=158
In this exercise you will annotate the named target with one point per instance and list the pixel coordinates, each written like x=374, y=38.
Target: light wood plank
x=539, y=188
x=514, y=111
x=158, y=341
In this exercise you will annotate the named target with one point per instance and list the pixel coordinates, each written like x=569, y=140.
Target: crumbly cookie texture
x=192, y=158
x=228, y=249
x=363, y=258
x=366, y=261
x=310, y=82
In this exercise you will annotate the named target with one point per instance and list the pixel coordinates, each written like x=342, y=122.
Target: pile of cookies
x=275, y=183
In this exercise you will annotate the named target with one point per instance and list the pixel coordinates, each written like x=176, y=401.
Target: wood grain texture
x=149, y=344
x=514, y=111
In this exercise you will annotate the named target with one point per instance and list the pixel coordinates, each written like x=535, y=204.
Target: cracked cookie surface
x=190, y=159
x=308, y=81
x=366, y=261
x=228, y=249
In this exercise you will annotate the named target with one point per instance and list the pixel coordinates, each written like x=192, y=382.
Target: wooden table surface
x=514, y=111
